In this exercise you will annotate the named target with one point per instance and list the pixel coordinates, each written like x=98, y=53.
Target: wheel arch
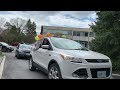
x=51, y=62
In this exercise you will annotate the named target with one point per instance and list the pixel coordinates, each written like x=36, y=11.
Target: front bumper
x=68, y=68
x=24, y=54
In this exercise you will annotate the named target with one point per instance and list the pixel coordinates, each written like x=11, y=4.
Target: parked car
x=6, y=47
x=15, y=44
x=23, y=50
x=63, y=58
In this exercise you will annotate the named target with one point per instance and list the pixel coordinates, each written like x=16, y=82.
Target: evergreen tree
x=107, y=31
x=30, y=31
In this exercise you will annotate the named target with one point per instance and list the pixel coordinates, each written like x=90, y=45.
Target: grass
x=116, y=65
x=1, y=55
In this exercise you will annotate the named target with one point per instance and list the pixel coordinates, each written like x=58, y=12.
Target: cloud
x=60, y=20
x=76, y=19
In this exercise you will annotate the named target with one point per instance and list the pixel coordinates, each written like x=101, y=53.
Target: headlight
x=71, y=58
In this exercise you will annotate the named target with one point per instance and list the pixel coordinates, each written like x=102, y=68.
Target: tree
x=107, y=31
x=2, y=21
x=30, y=28
x=13, y=30
x=17, y=30
x=7, y=25
x=19, y=23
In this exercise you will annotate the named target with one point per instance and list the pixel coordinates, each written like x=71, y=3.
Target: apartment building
x=81, y=35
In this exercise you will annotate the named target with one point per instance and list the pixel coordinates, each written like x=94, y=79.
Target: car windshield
x=5, y=44
x=22, y=46
x=67, y=44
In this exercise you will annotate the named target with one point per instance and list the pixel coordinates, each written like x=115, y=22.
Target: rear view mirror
x=45, y=46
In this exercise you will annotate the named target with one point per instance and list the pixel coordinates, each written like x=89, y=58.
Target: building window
x=78, y=33
x=86, y=34
x=74, y=33
x=82, y=33
x=70, y=32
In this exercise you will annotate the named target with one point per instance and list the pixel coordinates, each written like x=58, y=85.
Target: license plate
x=101, y=74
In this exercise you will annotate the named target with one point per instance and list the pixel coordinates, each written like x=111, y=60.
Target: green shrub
x=116, y=65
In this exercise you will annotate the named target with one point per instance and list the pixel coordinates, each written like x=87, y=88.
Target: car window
x=45, y=42
x=25, y=46
x=38, y=44
x=67, y=44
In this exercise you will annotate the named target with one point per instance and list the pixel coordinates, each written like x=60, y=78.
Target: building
x=81, y=35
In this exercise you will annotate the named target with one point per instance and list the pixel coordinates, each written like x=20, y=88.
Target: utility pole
x=88, y=37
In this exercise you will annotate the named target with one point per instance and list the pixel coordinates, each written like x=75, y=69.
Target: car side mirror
x=45, y=46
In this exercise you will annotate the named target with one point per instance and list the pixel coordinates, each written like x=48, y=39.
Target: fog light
x=75, y=75
x=80, y=73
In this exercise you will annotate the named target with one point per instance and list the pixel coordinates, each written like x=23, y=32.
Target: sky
x=76, y=19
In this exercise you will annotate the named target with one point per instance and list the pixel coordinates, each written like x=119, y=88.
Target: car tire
x=54, y=71
x=8, y=50
x=17, y=56
x=4, y=49
x=31, y=66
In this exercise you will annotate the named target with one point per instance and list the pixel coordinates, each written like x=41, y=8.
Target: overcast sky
x=77, y=19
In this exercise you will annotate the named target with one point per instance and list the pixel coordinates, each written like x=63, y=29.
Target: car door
x=36, y=53
x=46, y=54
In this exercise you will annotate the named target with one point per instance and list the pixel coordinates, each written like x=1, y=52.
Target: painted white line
x=2, y=66
x=116, y=74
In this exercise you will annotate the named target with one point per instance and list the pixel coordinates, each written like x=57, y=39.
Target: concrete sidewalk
x=2, y=61
x=1, y=57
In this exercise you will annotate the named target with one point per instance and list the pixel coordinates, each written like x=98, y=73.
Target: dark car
x=6, y=47
x=23, y=50
x=15, y=44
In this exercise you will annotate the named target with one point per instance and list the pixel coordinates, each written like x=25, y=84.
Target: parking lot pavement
x=115, y=76
x=18, y=69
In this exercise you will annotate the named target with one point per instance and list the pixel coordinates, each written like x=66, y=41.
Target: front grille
x=94, y=72
x=97, y=60
x=26, y=51
x=81, y=72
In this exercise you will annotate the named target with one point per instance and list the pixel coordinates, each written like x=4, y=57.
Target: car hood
x=24, y=50
x=84, y=54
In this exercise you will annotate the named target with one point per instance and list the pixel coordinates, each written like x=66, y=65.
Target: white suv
x=64, y=58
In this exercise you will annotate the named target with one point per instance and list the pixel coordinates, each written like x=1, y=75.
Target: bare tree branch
x=19, y=23
x=2, y=21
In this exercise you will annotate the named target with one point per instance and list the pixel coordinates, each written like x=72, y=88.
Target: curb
x=116, y=74
x=2, y=66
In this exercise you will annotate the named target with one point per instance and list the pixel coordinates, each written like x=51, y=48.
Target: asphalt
x=18, y=69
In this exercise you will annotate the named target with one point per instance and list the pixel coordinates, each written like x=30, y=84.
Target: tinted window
x=86, y=34
x=45, y=42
